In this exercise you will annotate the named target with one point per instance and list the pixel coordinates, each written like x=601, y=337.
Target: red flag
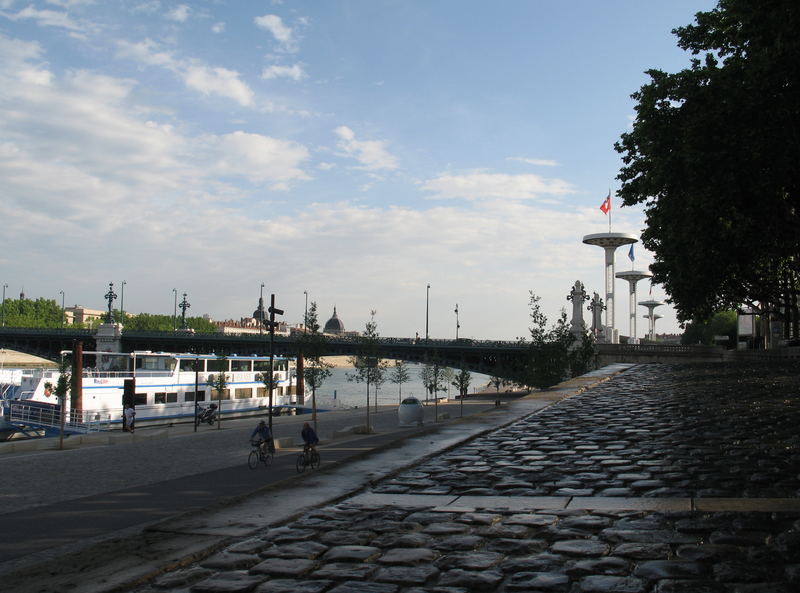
x=606, y=205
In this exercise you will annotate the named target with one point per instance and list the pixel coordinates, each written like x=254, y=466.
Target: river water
x=338, y=392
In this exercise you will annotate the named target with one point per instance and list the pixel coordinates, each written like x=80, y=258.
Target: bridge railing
x=83, y=421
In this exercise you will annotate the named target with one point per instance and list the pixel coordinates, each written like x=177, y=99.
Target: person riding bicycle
x=262, y=438
x=310, y=438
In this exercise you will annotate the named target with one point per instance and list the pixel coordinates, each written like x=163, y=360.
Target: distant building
x=78, y=314
x=335, y=327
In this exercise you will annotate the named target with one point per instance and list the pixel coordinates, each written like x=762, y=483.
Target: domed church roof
x=334, y=325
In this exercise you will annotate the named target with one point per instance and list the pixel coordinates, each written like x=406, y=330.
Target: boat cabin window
x=261, y=365
x=155, y=363
x=243, y=392
x=241, y=365
x=215, y=395
x=189, y=396
x=140, y=399
x=187, y=365
x=217, y=365
x=280, y=365
x=165, y=398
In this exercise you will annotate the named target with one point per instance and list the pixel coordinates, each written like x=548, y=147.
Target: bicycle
x=257, y=455
x=309, y=457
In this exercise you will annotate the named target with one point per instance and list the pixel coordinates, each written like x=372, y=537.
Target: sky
x=347, y=152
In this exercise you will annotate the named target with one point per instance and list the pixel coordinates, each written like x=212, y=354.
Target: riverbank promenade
x=637, y=479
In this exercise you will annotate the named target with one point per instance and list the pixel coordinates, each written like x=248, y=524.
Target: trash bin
x=410, y=412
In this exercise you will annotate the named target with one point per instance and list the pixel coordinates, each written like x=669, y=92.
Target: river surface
x=337, y=391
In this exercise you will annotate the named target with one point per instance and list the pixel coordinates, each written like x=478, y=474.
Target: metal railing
x=75, y=421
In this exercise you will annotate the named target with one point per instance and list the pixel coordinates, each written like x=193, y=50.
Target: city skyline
x=357, y=151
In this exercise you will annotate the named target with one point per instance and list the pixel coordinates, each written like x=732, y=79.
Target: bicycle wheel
x=267, y=459
x=252, y=459
x=301, y=463
x=315, y=460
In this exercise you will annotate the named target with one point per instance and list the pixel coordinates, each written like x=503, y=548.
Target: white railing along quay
x=83, y=421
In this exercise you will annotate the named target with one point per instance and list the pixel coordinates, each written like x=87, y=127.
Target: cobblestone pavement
x=652, y=434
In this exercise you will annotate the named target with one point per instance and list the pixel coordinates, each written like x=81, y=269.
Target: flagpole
x=609, y=209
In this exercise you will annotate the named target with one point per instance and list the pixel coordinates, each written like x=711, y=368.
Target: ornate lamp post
x=184, y=305
x=175, y=311
x=61, y=292
x=577, y=296
x=110, y=297
x=457, y=324
x=261, y=310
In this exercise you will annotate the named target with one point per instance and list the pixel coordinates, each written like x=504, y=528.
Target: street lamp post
x=427, y=309
x=61, y=292
x=261, y=310
x=305, y=314
x=4, y=304
x=175, y=311
x=122, y=302
x=457, y=324
x=184, y=305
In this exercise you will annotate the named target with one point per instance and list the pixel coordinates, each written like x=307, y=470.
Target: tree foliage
x=714, y=154
x=312, y=347
x=151, y=322
x=41, y=313
x=554, y=354
x=399, y=375
x=722, y=323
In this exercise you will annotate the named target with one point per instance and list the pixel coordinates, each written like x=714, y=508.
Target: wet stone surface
x=654, y=431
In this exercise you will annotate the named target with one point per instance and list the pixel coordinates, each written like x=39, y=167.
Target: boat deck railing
x=75, y=421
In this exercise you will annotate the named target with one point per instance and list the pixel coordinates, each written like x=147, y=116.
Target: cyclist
x=263, y=438
x=310, y=438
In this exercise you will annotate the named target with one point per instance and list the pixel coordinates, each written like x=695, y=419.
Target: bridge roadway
x=483, y=356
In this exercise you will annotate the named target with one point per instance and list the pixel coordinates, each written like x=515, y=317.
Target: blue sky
x=356, y=150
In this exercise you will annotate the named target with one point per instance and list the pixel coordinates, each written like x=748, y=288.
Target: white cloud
x=206, y=79
x=71, y=3
x=480, y=185
x=537, y=162
x=275, y=25
x=258, y=158
x=218, y=81
x=372, y=154
x=218, y=27
x=47, y=18
x=179, y=14
x=295, y=72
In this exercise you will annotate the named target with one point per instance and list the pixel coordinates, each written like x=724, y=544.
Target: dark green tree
x=722, y=323
x=368, y=365
x=41, y=313
x=399, y=375
x=713, y=155
x=312, y=346
x=461, y=381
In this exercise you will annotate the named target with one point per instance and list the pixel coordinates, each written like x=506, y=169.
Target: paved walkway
x=665, y=479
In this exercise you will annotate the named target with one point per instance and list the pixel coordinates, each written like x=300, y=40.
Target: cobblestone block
x=228, y=582
x=180, y=578
x=643, y=551
x=669, y=569
x=537, y=581
x=408, y=556
x=469, y=560
x=284, y=567
x=580, y=547
x=485, y=580
x=688, y=586
x=611, y=584
x=458, y=543
x=293, y=586
x=351, y=554
x=406, y=575
x=341, y=571
x=227, y=561
x=361, y=587
x=346, y=537
x=607, y=565
x=308, y=550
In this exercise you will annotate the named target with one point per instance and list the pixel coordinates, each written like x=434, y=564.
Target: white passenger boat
x=164, y=386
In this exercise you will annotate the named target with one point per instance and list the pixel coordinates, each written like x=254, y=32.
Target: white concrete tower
x=609, y=242
x=651, y=304
x=633, y=276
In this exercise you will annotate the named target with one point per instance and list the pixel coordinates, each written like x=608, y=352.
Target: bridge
x=482, y=356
